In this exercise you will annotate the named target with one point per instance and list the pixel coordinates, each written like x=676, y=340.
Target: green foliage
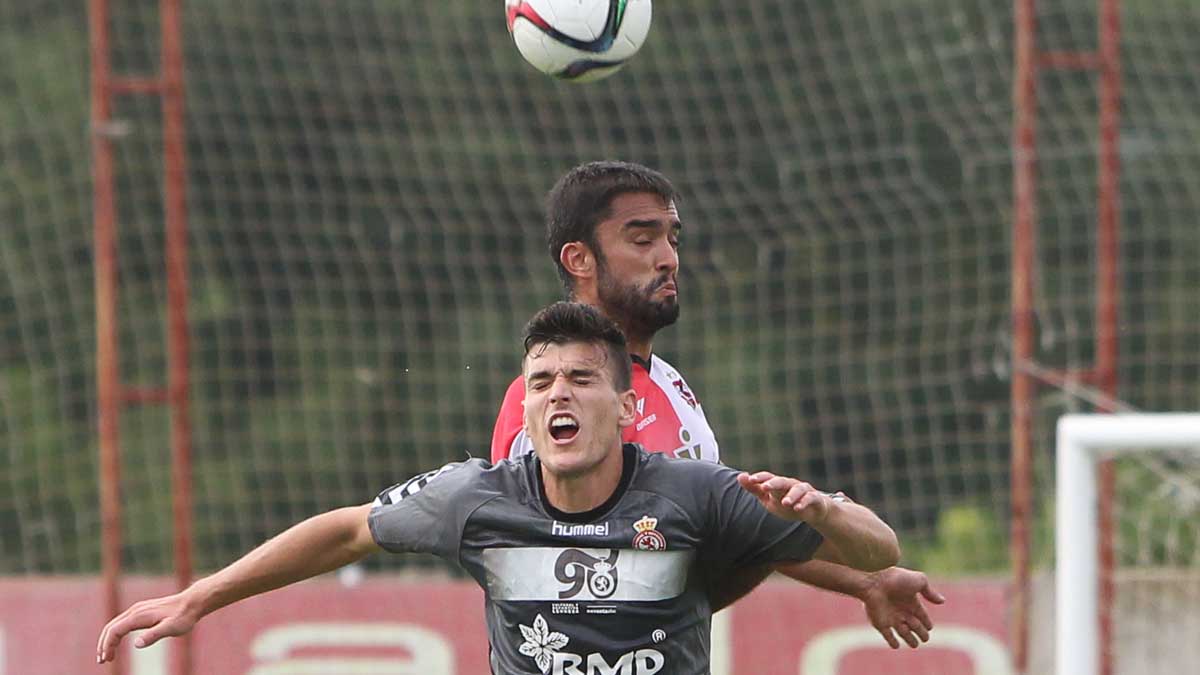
x=1156, y=510
x=972, y=539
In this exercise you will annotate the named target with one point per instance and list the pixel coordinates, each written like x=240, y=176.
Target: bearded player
x=613, y=231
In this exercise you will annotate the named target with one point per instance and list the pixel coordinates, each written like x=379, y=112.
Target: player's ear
x=628, y=408
x=578, y=259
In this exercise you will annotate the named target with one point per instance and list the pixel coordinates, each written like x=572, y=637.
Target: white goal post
x=1084, y=441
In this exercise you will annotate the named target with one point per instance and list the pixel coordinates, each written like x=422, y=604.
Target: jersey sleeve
x=745, y=533
x=427, y=513
x=509, y=422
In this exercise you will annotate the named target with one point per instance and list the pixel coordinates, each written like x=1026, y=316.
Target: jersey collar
x=645, y=363
x=629, y=453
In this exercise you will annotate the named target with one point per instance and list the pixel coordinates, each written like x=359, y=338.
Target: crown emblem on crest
x=646, y=523
x=648, y=538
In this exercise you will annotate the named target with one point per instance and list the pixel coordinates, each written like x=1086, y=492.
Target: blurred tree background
x=365, y=191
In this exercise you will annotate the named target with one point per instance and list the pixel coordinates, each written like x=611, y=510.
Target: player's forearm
x=861, y=539
x=828, y=576
x=320, y=544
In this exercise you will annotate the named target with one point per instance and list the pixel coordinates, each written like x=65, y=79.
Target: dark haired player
x=595, y=556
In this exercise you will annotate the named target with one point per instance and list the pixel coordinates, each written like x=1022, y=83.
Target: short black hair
x=564, y=322
x=581, y=199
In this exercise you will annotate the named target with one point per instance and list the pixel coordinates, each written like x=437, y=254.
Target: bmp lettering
x=640, y=662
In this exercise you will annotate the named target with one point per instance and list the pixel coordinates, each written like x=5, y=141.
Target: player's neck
x=586, y=491
x=639, y=348
x=638, y=345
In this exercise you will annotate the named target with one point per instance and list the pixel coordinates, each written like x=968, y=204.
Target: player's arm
x=317, y=545
x=853, y=534
x=890, y=597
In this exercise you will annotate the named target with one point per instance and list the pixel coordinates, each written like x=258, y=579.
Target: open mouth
x=563, y=427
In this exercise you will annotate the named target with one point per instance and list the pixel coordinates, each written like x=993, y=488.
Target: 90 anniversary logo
x=577, y=568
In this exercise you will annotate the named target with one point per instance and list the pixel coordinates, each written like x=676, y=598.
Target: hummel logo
x=579, y=530
x=641, y=406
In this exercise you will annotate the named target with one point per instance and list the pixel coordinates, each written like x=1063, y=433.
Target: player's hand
x=787, y=497
x=893, y=605
x=167, y=616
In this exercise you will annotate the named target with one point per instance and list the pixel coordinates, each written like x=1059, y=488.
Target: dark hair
x=581, y=199
x=565, y=322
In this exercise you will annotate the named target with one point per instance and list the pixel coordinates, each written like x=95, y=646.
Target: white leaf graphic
x=556, y=641
x=540, y=643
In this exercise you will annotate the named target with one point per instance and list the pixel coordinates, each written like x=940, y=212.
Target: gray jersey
x=621, y=589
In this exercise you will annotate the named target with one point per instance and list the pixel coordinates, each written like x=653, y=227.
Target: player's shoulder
x=695, y=487
x=663, y=374
x=515, y=393
x=505, y=471
x=517, y=386
x=664, y=368
x=469, y=474
x=660, y=362
x=666, y=473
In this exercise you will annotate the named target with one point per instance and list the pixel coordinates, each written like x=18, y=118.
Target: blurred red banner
x=48, y=626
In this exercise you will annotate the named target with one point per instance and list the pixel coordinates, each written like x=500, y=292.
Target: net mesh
x=364, y=193
x=1158, y=562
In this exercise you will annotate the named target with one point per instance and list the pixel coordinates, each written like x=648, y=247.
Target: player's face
x=573, y=413
x=636, y=282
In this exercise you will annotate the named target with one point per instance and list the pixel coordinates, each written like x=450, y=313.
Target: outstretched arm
x=853, y=534
x=890, y=597
x=317, y=545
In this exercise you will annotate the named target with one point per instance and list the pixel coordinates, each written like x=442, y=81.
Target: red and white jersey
x=669, y=417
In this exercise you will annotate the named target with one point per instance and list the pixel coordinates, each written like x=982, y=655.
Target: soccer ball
x=578, y=40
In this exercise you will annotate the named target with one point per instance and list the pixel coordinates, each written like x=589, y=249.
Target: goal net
x=1156, y=589
x=364, y=190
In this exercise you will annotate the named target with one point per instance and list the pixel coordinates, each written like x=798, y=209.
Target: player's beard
x=634, y=307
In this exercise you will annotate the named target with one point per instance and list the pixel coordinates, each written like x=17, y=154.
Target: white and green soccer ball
x=578, y=40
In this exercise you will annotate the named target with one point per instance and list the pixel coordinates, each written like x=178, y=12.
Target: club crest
x=648, y=538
